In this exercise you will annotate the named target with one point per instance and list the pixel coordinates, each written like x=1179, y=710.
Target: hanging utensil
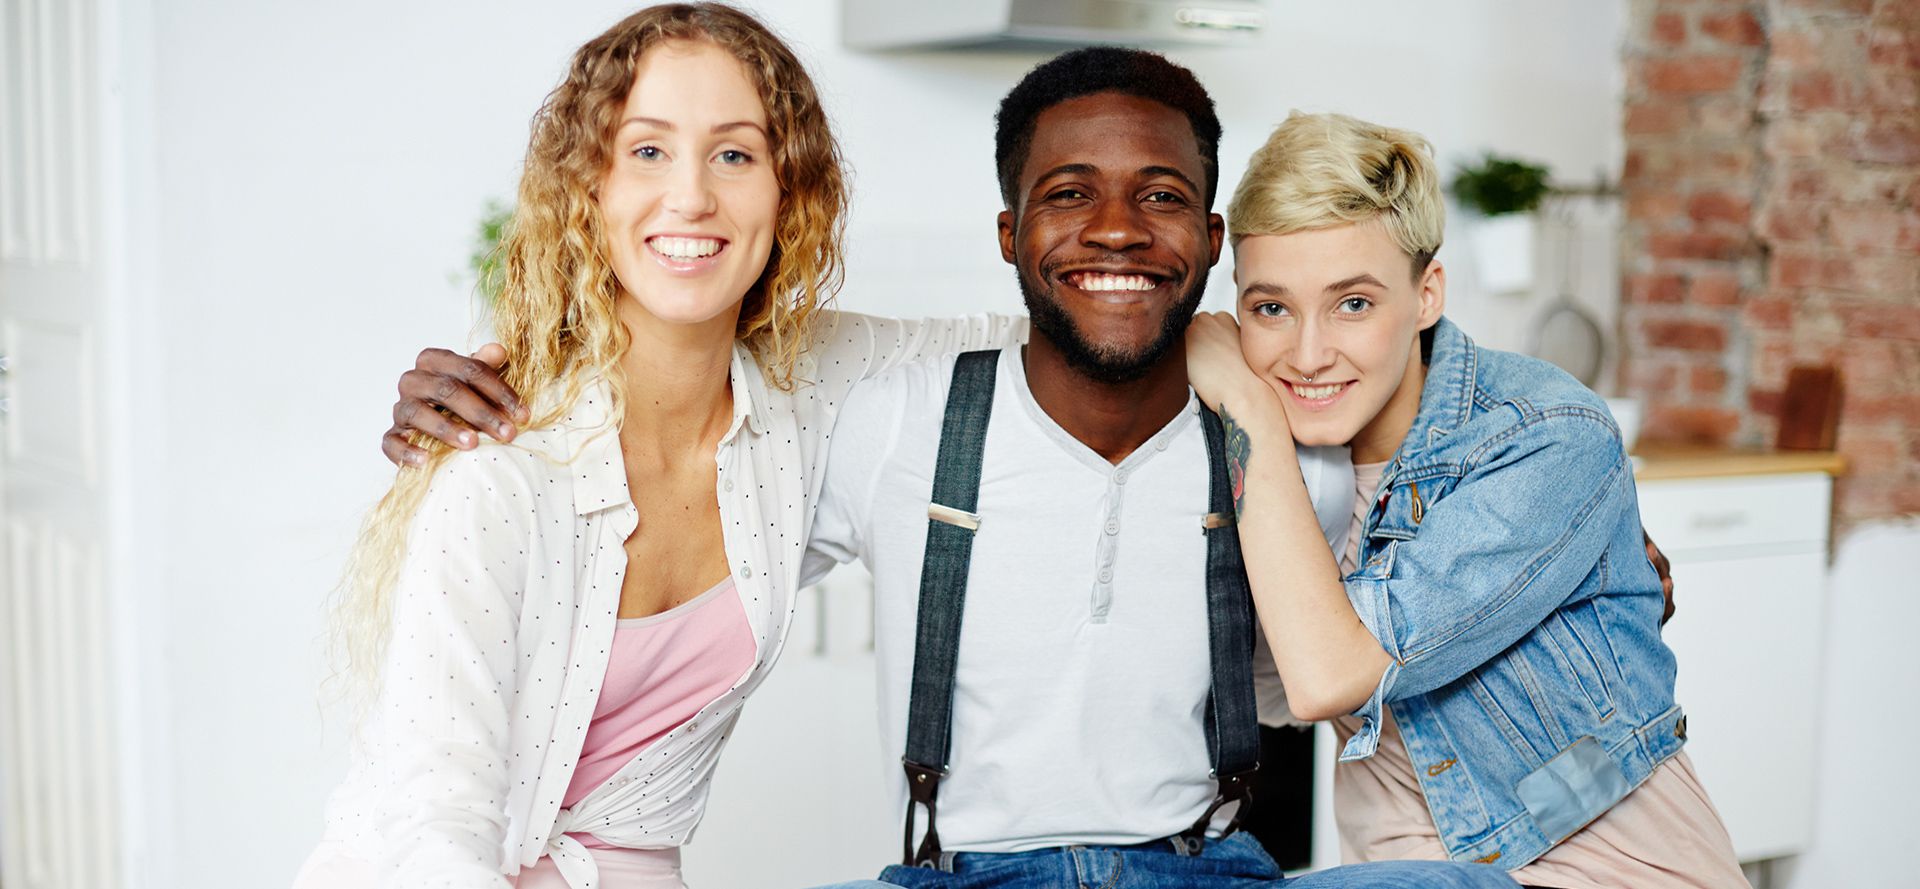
x=1565, y=333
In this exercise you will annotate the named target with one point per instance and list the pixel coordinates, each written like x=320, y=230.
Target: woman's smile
x=1316, y=396
x=686, y=254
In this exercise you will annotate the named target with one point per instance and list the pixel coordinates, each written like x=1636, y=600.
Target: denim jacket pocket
x=1405, y=508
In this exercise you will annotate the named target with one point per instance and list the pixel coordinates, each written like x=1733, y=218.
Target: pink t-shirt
x=662, y=671
x=1666, y=833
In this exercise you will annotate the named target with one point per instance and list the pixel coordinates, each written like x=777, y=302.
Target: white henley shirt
x=1083, y=665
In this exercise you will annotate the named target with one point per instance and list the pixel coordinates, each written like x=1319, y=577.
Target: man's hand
x=1665, y=568
x=451, y=396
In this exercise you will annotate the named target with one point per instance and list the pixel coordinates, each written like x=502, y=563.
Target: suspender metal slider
x=958, y=518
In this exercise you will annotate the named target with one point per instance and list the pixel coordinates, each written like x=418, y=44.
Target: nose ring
x=1306, y=378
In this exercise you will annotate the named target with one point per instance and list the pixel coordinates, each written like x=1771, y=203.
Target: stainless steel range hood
x=923, y=24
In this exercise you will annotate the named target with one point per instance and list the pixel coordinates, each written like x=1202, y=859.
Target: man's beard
x=1107, y=364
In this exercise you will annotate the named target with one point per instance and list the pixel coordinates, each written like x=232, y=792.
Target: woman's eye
x=1270, y=310
x=1354, y=305
x=648, y=153
x=734, y=157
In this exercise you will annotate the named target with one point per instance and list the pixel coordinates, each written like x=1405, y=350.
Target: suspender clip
x=958, y=518
x=1234, y=787
x=923, y=784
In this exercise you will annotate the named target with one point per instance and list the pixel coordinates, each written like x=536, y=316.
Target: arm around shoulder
x=883, y=343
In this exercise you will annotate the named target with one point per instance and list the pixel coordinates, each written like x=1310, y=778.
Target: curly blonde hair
x=556, y=311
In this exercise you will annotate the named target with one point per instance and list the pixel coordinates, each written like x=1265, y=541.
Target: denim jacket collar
x=1446, y=399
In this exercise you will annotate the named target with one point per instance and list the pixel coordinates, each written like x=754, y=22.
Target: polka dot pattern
x=507, y=602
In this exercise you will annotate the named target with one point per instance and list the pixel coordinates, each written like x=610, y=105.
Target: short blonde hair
x=1325, y=170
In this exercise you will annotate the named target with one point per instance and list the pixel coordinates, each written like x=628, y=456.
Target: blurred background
x=227, y=226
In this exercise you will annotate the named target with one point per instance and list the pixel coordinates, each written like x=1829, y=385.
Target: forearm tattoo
x=1239, y=450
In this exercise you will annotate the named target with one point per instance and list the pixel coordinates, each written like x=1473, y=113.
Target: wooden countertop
x=1656, y=462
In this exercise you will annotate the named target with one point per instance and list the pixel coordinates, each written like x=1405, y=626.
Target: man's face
x=1110, y=235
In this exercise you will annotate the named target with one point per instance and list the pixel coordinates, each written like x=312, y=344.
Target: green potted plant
x=1503, y=193
x=484, y=261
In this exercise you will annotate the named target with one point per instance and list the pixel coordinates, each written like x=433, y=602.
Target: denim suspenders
x=1233, y=739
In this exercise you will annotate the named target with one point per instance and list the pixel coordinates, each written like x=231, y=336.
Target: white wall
x=308, y=177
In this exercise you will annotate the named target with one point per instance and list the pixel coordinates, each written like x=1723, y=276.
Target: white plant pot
x=1626, y=415
x=1503, y=252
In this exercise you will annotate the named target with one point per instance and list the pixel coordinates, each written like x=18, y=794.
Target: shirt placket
x=1106, y=552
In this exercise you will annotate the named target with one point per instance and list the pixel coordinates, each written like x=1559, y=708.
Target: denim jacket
x=1503, y=569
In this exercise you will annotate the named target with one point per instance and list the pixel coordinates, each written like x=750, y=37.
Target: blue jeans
x=1236, y=862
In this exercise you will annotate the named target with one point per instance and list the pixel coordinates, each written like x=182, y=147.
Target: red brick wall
x=1772, y=189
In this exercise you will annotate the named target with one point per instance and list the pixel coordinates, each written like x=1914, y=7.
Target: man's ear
x=1216, y=236
x=1433, y=294
x=1006, y=224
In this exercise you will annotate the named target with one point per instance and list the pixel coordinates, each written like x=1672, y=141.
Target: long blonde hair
x=556, y=312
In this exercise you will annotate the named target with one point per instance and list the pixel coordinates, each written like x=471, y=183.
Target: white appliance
x=923, y=24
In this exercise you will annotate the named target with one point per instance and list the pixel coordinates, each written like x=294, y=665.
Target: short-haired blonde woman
x=558, y=634
x=1488, y=645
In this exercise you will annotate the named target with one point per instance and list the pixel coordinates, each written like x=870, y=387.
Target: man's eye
x=1165, y=197
x=1270, y=310
x=1354, y=305
x=1066, y=194
x=734, y=157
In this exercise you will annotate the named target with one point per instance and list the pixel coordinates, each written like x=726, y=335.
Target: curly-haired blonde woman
x=558, y=634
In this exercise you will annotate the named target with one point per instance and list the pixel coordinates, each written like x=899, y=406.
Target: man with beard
x=1090, y=725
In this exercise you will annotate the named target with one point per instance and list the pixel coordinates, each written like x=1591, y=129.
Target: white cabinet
x=1749, y=567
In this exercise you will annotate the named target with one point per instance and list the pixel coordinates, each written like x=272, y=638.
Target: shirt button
x=1120, y=477
x=746, y=571
x=1106, y=575
x=1113, y=526
x=728, y=486
x=691, y=728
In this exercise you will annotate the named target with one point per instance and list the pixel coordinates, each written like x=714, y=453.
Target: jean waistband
x=950, y=861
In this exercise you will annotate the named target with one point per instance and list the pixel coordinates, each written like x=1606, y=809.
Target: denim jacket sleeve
x=1488, y=562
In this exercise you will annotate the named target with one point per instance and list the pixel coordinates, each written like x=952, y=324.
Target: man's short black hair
x=1101, y=69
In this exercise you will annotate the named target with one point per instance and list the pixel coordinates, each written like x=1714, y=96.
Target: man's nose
x=1116, y=226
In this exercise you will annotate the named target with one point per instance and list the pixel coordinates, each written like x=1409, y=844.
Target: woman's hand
x=1216, y=369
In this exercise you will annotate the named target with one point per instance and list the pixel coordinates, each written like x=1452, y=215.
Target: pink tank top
x=662, y=671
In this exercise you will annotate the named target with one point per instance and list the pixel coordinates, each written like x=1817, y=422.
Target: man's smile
x=1121, y=285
